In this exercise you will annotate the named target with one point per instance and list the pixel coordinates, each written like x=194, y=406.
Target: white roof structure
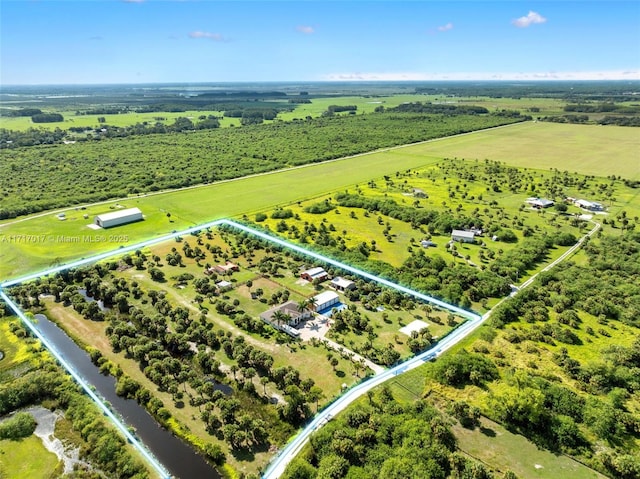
x=539, y=202
x=114, y=215
x=117, y=218
x=589, y=205
x=318, y=272
x=342, y=283
x=463, y=234
x=325, y=297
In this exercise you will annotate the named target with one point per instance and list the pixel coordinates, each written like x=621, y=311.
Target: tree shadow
x=487, y=431
x=248, y=454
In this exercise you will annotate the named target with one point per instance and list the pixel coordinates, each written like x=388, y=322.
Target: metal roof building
x=116, y=218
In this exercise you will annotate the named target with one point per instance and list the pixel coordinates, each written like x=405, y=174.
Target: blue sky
x=143, y=41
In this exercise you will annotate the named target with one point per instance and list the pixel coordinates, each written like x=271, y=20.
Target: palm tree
x=315, y=394
x=312, y=303
x=279, y=317
x=264, y=380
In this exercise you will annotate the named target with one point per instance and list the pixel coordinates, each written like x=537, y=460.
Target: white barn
x=463, y=236
x=116, y=218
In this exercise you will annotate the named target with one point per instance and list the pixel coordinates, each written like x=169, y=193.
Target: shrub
x=21, y=425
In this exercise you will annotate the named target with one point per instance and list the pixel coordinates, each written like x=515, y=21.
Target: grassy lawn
x=503, y=451
x=27, y=458
x=492, y=443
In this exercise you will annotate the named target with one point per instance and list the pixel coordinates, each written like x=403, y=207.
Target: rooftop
x=325, y=297
x=119, y=214
x=463, y=233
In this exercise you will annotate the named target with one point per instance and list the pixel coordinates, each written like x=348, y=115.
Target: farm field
x=587, y=149
x=187, y=207
x=364, y=104
x=193, y=206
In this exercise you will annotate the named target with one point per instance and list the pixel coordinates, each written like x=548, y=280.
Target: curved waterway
x=179, y=458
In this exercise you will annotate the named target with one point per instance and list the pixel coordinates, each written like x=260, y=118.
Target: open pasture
x=71, y=120
x=21, y=253
x=587, y=149
x=364, y=104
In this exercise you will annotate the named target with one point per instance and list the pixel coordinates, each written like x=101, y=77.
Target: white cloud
x=446, y=28
x=529, y=19
x=306, y=29
x=483, y=76
x=216, y=37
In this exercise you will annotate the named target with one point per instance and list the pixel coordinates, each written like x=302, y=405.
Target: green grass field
x=502, y=450
x=586, y=149
x=26, y=458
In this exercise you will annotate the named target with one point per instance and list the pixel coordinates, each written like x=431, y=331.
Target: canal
x=179, y=458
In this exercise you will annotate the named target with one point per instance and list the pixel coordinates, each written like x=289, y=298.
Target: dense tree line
x=620, y=120
x=606, y=107
x=341, y=108
x=47, y=118
x=22, y=112
x=575, y=92
x=440, y=108
x=153, y=162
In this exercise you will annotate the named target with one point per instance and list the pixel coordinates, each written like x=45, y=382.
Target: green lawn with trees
x=29, y=376
x=170, y=334
x=382, y=224
x=557, y=364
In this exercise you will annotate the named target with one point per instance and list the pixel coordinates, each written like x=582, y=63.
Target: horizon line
x=337, y=80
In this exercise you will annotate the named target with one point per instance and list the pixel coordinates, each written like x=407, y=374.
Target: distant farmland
x=587, y=149
x=541, y=145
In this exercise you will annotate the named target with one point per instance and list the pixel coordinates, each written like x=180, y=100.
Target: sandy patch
x=44, y=430
x=416, y=325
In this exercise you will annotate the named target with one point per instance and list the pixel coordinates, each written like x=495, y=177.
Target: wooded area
x=127, y=166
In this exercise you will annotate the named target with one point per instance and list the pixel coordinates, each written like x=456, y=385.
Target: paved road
x=278, y=465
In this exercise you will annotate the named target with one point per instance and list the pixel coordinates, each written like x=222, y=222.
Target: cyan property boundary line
x=473, y=317
x=87, y=388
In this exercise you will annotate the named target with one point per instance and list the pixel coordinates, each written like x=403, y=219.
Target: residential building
x=291, y=309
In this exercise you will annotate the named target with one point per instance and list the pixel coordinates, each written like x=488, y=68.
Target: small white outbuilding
x=116, y=218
